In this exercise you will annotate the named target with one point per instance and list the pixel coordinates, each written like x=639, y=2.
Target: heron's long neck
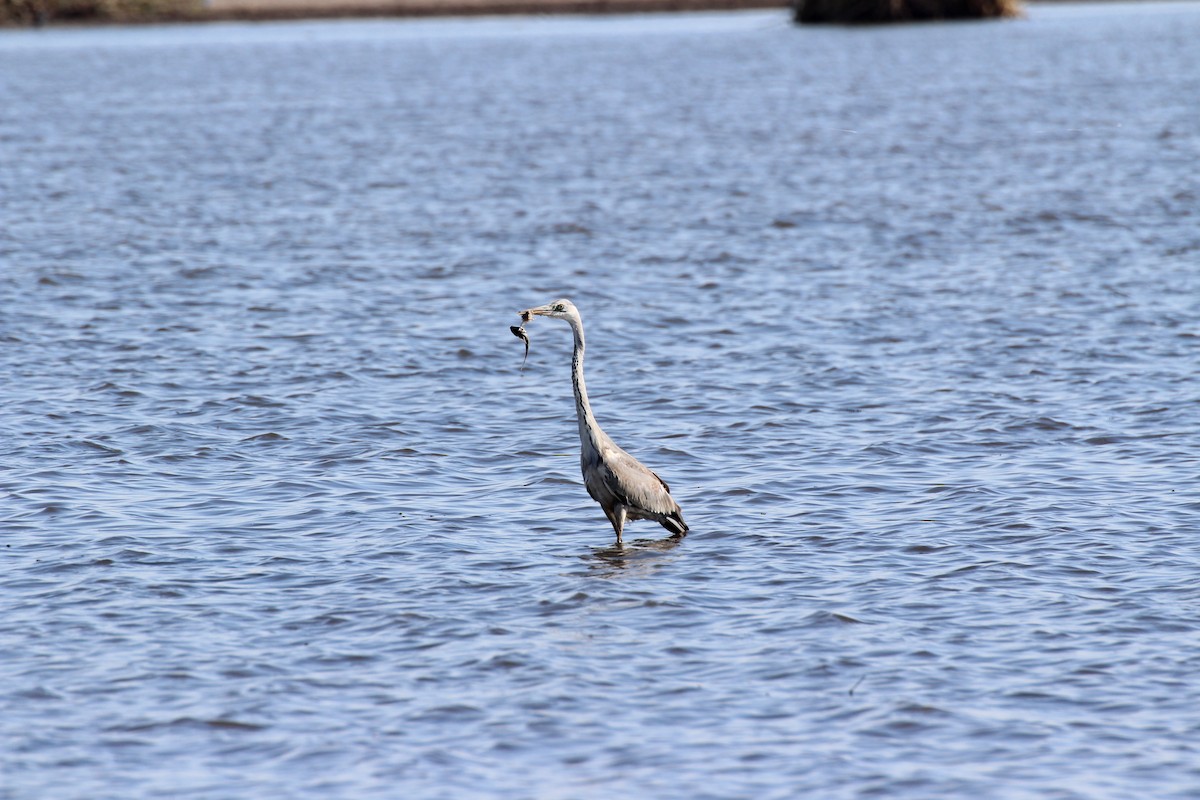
x=588, y=429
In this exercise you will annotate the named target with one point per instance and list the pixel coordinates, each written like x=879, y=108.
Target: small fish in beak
x=519, y=332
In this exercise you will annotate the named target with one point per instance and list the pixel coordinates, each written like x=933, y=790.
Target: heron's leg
x=618, y=521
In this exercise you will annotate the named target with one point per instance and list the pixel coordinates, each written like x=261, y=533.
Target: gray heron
x=623, y=486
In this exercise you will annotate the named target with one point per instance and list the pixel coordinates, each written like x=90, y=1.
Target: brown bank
x=41, y=12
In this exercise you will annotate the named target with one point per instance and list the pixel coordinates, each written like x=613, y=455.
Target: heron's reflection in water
x=639, y=555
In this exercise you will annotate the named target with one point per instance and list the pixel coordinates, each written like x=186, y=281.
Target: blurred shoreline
x=36, y=13
x=55, y=13
x=251, y=10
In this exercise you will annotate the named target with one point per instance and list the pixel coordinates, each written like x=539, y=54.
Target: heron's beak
x=530, y=313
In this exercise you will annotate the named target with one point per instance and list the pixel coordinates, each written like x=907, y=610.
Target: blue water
x=908, y=317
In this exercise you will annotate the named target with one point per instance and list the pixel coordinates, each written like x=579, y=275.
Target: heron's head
x=561, y=309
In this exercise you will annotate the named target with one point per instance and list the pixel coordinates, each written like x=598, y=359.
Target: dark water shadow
x=639, y=553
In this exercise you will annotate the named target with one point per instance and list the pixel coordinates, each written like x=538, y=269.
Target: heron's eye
x=560, y=308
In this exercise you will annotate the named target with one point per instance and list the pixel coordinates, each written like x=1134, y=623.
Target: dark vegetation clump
x=40, y=12
x=875, y=11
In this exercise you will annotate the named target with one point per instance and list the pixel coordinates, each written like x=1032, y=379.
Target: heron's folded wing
x=636, y=486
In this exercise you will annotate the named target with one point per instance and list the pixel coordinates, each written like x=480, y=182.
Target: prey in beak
x=519, y=332
x=561, y=309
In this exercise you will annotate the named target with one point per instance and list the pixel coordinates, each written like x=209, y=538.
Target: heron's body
x=624, y=487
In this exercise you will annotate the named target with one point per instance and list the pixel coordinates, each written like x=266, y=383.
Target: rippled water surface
x=909, y=318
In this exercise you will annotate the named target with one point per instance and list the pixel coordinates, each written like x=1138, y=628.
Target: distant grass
x=39, y=12
x=874, y=11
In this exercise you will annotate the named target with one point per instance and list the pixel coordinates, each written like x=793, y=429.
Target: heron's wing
x=636, y=486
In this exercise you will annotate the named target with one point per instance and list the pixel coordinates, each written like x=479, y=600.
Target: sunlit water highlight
x=908, y=318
